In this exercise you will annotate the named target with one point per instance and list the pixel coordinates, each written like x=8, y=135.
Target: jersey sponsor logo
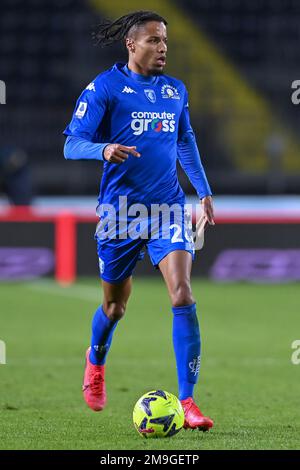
x=127, y=89
x=150, y=95
x=81, y=110
x=169, y=91
x=91, y=87
x=144, y=121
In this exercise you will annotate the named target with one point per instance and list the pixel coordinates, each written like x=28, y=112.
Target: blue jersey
x=150, y=113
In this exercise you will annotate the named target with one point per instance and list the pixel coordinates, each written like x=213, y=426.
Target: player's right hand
x=117, y=153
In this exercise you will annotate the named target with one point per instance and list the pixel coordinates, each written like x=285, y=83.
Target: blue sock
x=187, y=347
x=102, y=332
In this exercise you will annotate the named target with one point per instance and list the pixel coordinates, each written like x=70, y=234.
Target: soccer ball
x=158, y=414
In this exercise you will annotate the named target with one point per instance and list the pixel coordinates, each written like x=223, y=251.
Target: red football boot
x=193, y=418
x=93, y=388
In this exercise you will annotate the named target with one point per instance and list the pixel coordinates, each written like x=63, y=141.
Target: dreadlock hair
x=112, y=31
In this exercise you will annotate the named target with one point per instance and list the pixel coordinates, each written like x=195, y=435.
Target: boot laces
x=96, y=384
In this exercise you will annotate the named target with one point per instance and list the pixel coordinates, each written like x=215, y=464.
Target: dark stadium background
x=240, y=60
x=239, y=75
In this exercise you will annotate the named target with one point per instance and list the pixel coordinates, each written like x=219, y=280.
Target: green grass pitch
x=248, y=383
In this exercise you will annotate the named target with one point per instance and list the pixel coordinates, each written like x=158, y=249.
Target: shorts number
x=177, y=233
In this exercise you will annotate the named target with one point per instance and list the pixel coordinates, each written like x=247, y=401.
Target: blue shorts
x=118, y=255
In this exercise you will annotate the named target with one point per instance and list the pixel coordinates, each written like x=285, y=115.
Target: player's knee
x=182, y=295
x=115, y=310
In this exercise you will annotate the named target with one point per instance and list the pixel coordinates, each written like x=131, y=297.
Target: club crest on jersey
x=169, y=91
x=81, y=110
x=150, y=95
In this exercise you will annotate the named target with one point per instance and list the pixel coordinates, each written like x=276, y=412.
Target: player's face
x=149, y=48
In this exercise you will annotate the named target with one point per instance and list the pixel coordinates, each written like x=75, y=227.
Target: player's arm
x=77, y=148
x=89, y=112
x=190, y=160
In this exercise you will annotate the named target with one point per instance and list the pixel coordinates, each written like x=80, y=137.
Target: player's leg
x=106, y=318
x=117, y=260
x=176, y=270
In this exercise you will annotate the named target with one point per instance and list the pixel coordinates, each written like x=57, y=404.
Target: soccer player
x=135, y=119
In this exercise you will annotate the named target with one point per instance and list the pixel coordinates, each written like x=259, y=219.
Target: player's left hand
x=208, y=209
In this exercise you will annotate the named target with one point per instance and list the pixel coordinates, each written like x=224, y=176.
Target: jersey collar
x=142, y=79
